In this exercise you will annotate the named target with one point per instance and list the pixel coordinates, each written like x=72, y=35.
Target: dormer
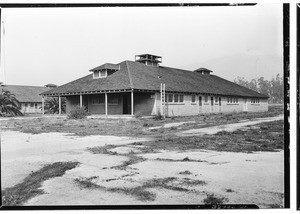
x=104, y=70
x=203, y=71
x=148, y=59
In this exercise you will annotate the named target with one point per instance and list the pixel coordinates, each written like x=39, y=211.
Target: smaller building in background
x=28, y=96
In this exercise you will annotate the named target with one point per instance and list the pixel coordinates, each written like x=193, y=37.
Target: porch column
x=59, y=104
x=80, y=96
x=105, y=103
x=43, y=105
x=131, y=103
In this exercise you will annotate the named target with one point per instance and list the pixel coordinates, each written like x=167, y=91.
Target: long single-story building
x=28, y=96
x=143, y=87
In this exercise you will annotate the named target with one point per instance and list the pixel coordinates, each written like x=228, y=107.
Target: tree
x=9, y=104
x=273, y=89
x=52, y=105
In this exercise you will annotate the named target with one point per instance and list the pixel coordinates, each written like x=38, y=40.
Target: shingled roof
x=137, y=76
x=26, y=94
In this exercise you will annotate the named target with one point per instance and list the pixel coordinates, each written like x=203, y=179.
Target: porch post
x=59, y=104
x=43, y=105
x=105, y=103
x=80, y=96
x=131, y=103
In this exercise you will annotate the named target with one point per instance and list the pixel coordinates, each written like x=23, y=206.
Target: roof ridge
x=129, y=74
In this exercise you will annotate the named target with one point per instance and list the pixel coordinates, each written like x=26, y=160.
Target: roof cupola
x=148, y=59
x=204, y=71
x=104, y=70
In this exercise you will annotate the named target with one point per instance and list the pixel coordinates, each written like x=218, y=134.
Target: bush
x=78, y=113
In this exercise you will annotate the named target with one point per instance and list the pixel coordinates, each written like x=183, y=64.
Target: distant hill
x=248, y=66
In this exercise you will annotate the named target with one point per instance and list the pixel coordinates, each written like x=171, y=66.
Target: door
x=200, y=104
x=245, y=106
x=126, y=103
x=211, y=104
x=220, y=104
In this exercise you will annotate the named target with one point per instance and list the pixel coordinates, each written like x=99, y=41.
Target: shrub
x=158, y=116
x=78, y=113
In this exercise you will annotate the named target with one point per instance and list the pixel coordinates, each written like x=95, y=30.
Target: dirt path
x=255, y=178
x=227, y=127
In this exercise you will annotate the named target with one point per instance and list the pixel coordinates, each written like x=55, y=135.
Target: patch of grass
x=138, y=192
x=229, y=190
x=249, y=140
x=30, y=187
x=141, y=193
x=102, y=150
x=186, y=159
x=87, y=182
x=186, y=172
x=133, y=159
x=211, y=199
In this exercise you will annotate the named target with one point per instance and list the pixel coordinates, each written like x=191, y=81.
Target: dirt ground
x=121, y=170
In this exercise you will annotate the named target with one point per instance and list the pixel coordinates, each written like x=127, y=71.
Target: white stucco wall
x=193, y=108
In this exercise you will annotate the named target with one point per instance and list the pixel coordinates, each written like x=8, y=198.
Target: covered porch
x=125, y=102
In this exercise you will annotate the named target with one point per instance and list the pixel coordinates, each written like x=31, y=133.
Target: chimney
x=203, y=71
x=50, y=86
x=148, y=59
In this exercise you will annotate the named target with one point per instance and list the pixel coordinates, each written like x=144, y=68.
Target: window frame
x=193, y=98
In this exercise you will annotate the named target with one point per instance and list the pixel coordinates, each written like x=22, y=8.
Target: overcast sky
x=58, y=45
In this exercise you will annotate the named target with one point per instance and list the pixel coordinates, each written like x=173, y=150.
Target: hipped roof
x=26, y=94
x=137, y=76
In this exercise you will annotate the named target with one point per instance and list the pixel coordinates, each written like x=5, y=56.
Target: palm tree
x=52, y=105
x=9, y=105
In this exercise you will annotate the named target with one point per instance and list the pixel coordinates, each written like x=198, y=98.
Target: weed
x=87, y=182
x=138, y=192
x=30, y=187
x=133, y=159
x=78, y=113
x=186, y=172
x=102, y=149
x=211, y=199
x=229, y=190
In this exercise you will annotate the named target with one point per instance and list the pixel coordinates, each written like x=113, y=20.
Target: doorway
x=211, y=104
x=200, y=104
x=126, y=104
x=245, y=106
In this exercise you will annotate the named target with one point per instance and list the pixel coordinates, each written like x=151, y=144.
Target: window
x=35, y=105
x=113, y=100
x=98, y=100
x=103, y=73
x=26, y=105
x=232, y=100
x=176, y=98
x=100, y=74
x=216, y=99
x=193, y=98
x=170, y=98
x=31, y=105
x=181, y=98
x=96, y=74
x=206, y=99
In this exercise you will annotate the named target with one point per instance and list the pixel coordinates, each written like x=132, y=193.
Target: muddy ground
x=139, y=170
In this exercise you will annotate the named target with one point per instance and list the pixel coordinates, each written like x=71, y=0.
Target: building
x=143, y=87
x=28, y=96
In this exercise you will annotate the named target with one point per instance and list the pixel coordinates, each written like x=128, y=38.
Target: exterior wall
x=189, y=108
x=144, y=103
x=183, y=109
x=258, y=107
x=31, y=108
x=232, y=107
x=100, y=108
x=72, y=102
